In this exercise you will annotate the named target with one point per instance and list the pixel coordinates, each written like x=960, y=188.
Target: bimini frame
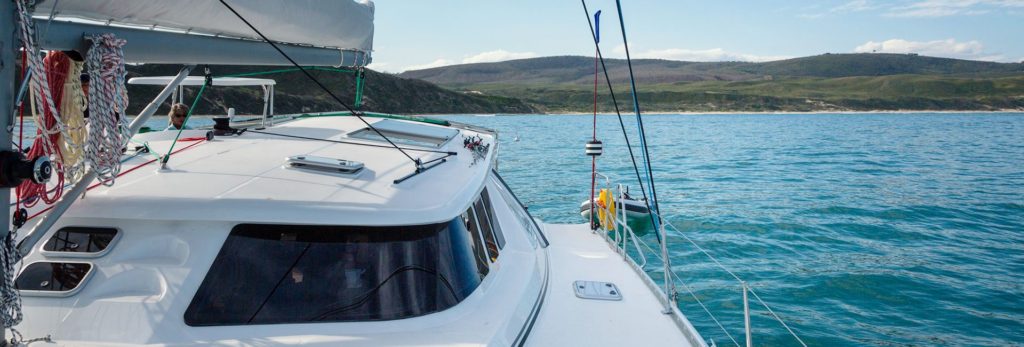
x=193, y=81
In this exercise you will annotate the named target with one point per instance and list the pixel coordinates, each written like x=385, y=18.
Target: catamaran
x=347, y=228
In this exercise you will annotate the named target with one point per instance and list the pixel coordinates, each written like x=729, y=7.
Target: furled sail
x=343, y=25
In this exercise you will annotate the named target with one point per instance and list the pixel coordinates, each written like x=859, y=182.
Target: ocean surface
x=857, y=229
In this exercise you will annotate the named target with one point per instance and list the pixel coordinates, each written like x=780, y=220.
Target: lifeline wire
x=636, y=168
x=335, y=97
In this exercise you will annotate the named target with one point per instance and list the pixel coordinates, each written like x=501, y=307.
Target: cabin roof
x=247, y=178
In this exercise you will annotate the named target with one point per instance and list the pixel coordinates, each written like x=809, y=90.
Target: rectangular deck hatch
x=75, y=241
x=407, y=133
x=52, y=278
x=324, y=164
x=597, y=290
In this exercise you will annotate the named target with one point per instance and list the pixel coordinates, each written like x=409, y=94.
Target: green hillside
x=836, y=82
x=294, y=93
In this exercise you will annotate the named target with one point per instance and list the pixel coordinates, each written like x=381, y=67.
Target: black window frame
x=486, y=230
x=223, y=299
x=479, y=249
x=36, y=267
x=495, y=225
x=52, y=247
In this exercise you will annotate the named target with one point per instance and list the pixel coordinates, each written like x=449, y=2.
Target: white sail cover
x=342, y=24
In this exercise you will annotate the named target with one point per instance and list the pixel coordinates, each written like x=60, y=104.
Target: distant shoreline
x=719, y=113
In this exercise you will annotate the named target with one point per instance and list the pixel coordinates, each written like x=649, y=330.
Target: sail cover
x=341, y=24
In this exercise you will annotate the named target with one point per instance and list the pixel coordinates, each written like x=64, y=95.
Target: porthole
x=52, y=278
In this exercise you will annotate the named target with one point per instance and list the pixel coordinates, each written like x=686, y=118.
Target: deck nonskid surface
x=567, y=320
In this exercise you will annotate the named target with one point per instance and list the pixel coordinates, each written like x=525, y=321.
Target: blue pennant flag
x=597, y=26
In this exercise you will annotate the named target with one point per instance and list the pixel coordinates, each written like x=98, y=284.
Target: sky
x=418, y=34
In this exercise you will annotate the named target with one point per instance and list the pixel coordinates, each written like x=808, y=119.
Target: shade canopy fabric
x=341, y=24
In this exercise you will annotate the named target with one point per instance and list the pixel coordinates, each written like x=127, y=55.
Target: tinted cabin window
x=485, y=228
x=493, y=219
x=52, y=277
x=80, y=240
x=469, y=217
x=269, y=274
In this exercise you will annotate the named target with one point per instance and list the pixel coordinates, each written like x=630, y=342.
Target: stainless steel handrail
x=620, y=231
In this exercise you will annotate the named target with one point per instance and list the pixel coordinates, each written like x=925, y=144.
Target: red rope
x=125, y=172
x=57, y=65
x=593, y=159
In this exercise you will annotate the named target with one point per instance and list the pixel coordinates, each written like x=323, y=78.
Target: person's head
x=177, y=115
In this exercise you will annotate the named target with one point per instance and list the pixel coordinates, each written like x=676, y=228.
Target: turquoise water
x=858, y=229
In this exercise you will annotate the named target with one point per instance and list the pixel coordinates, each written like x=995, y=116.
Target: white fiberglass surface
x=250, y=175
x=141, y=288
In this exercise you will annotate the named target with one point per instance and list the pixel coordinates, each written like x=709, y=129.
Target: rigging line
x=321, y=85
x=350, y=142
x=706, y=310
x=199, y=96
x=279, y=282
x=636, y=108
x=622, y=125
x=751, y=289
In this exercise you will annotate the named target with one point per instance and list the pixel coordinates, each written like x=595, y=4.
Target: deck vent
x=58, y=279
x=325, y=165
x=407, y=133
x=594, y=290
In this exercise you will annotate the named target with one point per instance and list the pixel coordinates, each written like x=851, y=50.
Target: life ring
x=606, y=212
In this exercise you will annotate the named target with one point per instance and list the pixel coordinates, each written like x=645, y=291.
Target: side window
x=485, y=228
x=495, y=226
x=83, y=240
x=469, y=218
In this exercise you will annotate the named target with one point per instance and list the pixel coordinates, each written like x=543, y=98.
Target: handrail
x=742, y=283
x=621, y=231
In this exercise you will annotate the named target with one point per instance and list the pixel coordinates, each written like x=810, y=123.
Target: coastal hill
x=295, y=93
x=829, y=82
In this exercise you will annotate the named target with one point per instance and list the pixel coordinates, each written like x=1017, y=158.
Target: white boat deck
x=576, y=254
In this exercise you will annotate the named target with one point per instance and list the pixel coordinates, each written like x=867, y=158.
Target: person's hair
x=178, y=109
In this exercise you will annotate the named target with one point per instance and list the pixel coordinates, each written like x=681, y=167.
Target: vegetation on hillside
x=831, y=82
x=294, y=93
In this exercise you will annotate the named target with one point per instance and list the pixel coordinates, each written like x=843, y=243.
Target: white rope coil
x=73, y=116
x=40, y=85
x=108, y=100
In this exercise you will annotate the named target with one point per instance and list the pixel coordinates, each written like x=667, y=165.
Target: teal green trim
x=359, y=89
x=185, y=123
x=376, y=115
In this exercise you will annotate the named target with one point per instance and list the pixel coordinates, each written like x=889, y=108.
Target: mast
x=8, y=59
x=8, y=56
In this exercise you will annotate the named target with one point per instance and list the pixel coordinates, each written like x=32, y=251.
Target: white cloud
x=498, y=55
x=854, y=6
x=944, y=8
x=379, y=66
x=484, y=57
x=433, y=64
x=682, y=54
x=949, y=48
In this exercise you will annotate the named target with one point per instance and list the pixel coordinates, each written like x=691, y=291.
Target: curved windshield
x=268, y=274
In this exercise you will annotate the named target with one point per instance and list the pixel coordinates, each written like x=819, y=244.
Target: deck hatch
x=75, y=241
x=597, y=290
x=324, y=164
x=407, y=133
x=53, y=278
